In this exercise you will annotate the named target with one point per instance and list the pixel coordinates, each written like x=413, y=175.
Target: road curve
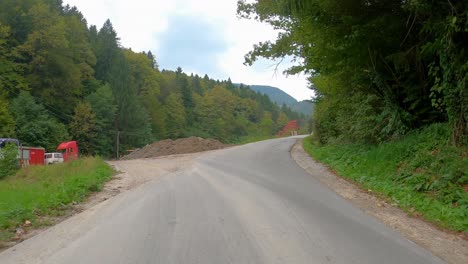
x=246, y=204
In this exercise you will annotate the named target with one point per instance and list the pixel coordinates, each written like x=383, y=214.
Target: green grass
x=48, y=190
x=421, y=173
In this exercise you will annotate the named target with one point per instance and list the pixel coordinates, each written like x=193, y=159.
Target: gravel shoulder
x=450, y=247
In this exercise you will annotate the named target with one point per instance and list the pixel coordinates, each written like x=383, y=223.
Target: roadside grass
x=41, y=191
x=421, y=173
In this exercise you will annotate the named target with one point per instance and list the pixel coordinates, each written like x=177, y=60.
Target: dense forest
x=380, y=69
x=62, y=79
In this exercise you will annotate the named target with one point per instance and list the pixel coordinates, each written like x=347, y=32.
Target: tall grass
x=422, y=173
x=48, y=190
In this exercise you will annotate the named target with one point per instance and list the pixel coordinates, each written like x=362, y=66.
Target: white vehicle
x=52, y=158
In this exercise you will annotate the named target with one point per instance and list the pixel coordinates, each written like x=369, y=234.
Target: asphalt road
x=246, y=204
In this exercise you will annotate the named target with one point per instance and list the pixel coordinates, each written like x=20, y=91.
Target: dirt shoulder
x=121, y=182
x=450, y=247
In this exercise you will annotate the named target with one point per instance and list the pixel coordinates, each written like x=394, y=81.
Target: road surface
x=246, y=204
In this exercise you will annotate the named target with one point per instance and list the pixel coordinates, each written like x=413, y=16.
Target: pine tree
x=107, y=49
x=103, y=105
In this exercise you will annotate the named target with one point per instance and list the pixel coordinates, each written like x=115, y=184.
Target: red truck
x=69, y=150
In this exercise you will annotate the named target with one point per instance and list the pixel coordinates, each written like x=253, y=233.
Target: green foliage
x=48, y=190
x=8, y=160
x=106, y=48
x=282, y=121
x=131, y=117
x=421, y=172
x=34, y=125
x=266, y=124
x=6, y=119
x=388, y=67
x=83, y=127
x=175, y=116
x=54, y=68
x=103, y=105
x=449, y=70
x=11, y=80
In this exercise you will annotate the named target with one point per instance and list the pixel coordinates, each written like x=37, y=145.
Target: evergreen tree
x=154, y=63
x=187, y=96
x=106, y=49
x=103, y=104
x=131, y=118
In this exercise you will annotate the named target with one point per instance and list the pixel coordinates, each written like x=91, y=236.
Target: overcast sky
x=200, y=36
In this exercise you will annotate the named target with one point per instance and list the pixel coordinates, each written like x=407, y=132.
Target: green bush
x=8, y=160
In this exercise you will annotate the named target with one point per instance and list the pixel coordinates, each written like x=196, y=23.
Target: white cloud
x=139, y=24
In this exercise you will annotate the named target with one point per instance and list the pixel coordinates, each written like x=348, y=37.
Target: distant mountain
x=305, y=107
x=280, y=97
x=276, y=95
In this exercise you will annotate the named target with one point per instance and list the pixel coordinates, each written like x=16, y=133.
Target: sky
x=200, y=36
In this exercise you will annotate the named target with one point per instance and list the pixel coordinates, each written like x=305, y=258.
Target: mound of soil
x=178, y=146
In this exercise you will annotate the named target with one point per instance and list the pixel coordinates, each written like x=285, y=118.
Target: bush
x=8, y=160
x=361, y=118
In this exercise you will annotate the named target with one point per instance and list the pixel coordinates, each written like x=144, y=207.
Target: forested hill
x=62, y=79
x=276, y=95
x=280, y=97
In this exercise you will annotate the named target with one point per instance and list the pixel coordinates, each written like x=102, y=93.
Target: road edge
x=448, y=247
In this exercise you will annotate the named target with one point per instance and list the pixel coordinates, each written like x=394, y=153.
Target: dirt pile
x=178, y=146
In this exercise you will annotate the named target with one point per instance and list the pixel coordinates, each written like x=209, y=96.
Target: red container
x=32, y=156
x=69, y=150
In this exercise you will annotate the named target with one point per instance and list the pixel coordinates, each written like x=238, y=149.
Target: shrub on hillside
x=8, y=160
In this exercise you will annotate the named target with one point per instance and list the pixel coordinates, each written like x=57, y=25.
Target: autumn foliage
x=288, y=128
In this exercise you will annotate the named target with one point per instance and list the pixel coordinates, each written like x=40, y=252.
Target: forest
x=379, y=69
x=62, y=79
